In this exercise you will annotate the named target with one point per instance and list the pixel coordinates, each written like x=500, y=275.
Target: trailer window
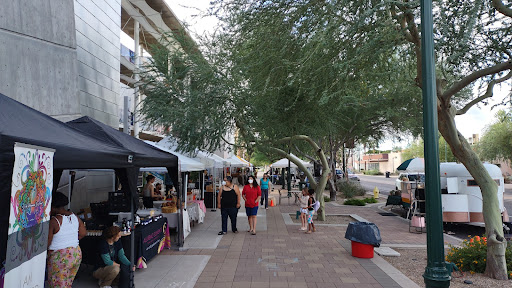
x=472, y=182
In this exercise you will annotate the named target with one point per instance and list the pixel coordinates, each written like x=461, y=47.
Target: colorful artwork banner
x=30, y=204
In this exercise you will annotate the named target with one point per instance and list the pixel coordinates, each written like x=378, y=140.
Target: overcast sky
x=473, y=122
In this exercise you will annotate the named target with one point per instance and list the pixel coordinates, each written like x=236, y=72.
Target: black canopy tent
x=74, y=150
x=147, y=155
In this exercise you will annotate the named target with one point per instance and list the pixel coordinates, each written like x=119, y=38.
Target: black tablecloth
x=147, y=240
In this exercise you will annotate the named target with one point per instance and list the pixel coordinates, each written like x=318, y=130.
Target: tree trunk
x=496, y=243
x=332, y=189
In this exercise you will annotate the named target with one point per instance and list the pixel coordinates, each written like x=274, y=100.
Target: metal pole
x=126, y=126
x=436, y=274
x=136, y=77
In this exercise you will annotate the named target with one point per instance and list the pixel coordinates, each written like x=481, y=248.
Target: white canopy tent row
x=283, y=163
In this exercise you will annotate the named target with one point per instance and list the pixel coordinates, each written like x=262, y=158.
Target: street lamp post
x=436, y=274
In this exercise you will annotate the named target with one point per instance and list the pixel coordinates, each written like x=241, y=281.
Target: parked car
x=420, y=177
x=351, y=175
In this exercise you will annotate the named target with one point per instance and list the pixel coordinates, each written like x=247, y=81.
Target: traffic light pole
x=436, y=274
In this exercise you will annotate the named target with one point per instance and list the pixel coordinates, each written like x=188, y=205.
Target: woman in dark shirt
x=114, y=263
x=228, y=201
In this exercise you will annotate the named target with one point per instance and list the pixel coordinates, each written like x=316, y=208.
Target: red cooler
x=361, y=250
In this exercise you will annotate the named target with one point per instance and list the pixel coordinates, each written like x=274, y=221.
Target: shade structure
x=147, y=155
x=245, y=161
x=208, y=159
x=74, y=149
x=186, y=164
x=283, y=163
x=414, y=165
x=235, y=162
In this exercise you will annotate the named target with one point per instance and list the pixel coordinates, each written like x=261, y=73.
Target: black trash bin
x=364, y=237
x=387, y=174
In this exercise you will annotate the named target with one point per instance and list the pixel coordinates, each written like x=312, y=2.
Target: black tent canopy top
x=145, y=154
x=74, y=149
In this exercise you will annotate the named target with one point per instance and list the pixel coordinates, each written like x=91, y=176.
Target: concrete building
x=63, y=58
x=385, y=162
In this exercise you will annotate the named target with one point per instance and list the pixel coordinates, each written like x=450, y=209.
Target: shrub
x=370, y=200
x=373, y=172
x=350, y=189
x=472, y=255
x=327, y=199
x=355, y=202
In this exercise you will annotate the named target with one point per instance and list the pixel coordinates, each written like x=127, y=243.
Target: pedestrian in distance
x=304, y=209
x=265, y=187
x=252, y=196
x=228, y=202
x=311, y=211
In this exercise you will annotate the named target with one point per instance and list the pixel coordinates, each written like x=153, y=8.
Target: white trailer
x=461, y=195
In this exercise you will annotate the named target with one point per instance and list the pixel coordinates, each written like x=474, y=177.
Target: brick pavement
x=283, y=256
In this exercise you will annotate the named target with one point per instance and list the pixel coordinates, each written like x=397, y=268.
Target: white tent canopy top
x=208, y=159
x=235, y=162
x=186, y=164
x=283, y=163
x=245, y=161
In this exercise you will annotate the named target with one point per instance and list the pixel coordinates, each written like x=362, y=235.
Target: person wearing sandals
x=229, y=202
x=252, y=196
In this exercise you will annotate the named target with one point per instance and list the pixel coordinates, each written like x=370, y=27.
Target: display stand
x=416, y=213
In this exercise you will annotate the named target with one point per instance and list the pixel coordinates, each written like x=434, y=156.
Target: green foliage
x=495, y=143
x=415, y=150
x=370, y=200
x=372, y=172
x=472, y=255
x=355, y=202
x=327, y=199
x=259, y=159
x=350, y=189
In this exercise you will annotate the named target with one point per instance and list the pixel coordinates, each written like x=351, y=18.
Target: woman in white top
x=304, y=209
x=64, y=254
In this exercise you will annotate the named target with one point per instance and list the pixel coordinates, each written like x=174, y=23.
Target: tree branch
x=464, y=82
x=488, y=93
x=311, y=158
x=502, y=8
x=297, y=162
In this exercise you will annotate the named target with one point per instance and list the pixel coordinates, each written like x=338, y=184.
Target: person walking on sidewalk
x=311, y=211
x=229, y=202
x=265, y=185
x=304, y=209
x=252, y=196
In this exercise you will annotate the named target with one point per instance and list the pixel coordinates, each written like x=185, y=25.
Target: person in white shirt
x=64, y=254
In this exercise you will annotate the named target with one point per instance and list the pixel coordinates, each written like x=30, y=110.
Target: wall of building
x=38, y=55
x=98, y=52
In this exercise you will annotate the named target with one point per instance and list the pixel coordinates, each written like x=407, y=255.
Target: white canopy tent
x=283, y=163
x=245, y=161
x=235, y=162
x=186, y=164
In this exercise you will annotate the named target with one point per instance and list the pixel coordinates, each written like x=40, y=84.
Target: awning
x=245, y=161
x=185, y=163
x=235, y=162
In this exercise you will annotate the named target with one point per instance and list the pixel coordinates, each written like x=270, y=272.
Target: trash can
x=364, y=237
x=387, y=174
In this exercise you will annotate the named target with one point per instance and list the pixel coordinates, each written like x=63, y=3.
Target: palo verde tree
x=473, y=52
x=282, y=76
x=496, y=142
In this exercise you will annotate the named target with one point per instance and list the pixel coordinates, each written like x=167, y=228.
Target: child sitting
x=304, y=209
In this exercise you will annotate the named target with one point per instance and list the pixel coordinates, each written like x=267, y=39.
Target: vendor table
x=150, y=240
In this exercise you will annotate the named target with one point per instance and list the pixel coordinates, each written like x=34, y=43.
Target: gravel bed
x=412, y=263
x=329, y=219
